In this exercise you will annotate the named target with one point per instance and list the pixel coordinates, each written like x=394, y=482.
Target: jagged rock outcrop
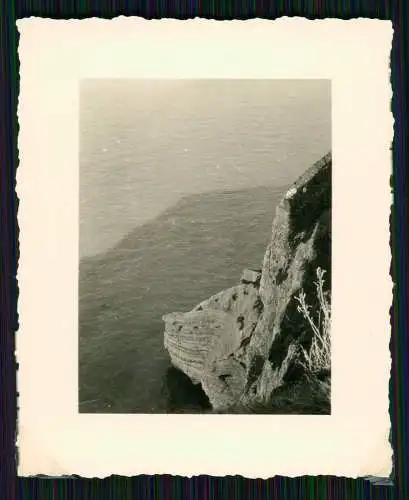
x=241, y=344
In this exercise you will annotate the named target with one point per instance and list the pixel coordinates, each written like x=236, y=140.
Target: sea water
x=178, y=186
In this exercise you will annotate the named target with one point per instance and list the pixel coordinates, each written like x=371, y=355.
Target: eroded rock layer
x=240, y=344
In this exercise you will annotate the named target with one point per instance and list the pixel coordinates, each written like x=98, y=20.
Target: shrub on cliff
x=317, y=358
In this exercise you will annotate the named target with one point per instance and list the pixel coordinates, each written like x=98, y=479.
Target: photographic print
x=205, y=246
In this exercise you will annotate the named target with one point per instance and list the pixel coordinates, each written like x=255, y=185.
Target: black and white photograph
x=205, y=246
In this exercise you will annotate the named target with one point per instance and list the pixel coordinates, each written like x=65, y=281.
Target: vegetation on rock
x=318, y=358
x=271, y=350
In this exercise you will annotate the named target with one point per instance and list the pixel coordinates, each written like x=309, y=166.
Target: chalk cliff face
x=241, y=344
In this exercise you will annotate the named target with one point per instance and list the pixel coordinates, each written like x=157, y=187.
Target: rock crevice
x=240, y=344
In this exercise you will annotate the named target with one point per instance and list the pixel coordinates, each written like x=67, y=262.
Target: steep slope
x=190, y=252
x=242, y=344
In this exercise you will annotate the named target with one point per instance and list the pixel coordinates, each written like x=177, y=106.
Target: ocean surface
x=178, y=186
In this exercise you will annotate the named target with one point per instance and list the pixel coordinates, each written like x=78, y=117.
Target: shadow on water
x=193, y=250
x=182, y=396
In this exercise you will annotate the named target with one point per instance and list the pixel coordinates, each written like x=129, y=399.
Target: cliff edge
x=243, y=344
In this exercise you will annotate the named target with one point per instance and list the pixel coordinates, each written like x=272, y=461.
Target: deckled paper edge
x=44, y=461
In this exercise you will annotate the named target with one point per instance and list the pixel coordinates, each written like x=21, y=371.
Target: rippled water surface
x=178, y=186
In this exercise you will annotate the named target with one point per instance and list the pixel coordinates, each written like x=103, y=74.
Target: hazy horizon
x=145, y=144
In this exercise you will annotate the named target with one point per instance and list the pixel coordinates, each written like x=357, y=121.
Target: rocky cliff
x=242, y=345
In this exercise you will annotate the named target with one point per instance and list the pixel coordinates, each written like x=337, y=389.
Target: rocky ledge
x=242, y=344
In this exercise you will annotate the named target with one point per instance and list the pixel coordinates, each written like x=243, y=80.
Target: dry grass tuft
x=318, y=357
